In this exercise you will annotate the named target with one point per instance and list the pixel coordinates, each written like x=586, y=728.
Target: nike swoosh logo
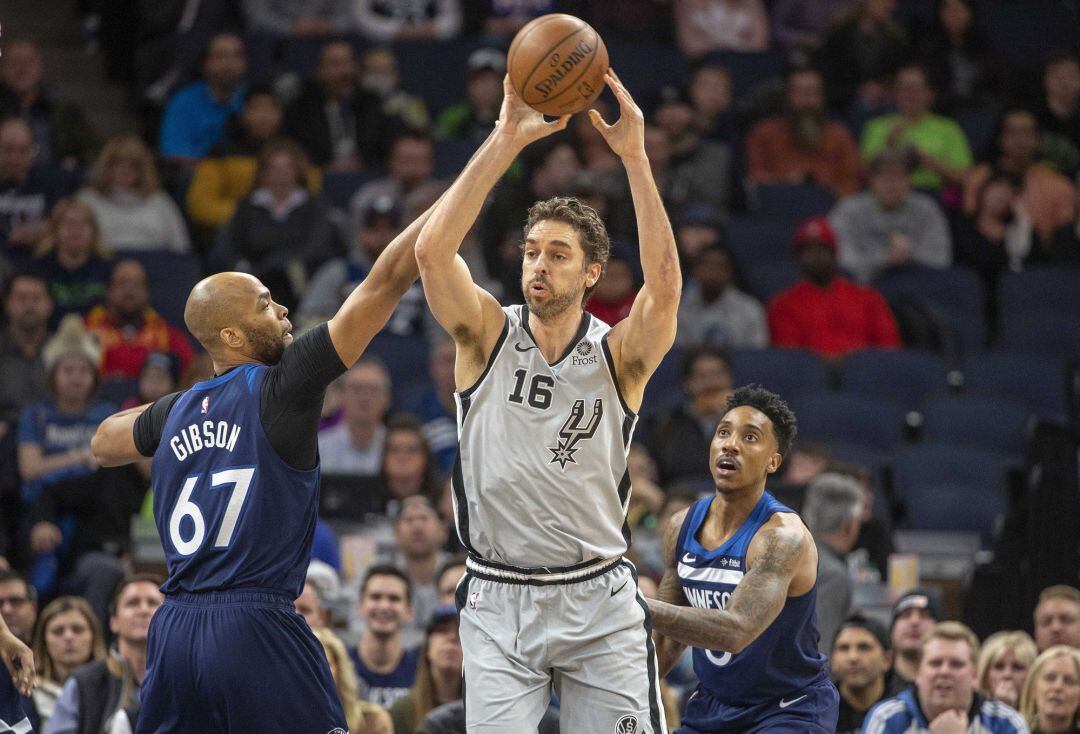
x=784, y=704
x=616, y=591
x=689, y=558
x=518, y=347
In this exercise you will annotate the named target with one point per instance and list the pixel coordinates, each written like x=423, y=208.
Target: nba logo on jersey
x=626, y=725
x=206, y=404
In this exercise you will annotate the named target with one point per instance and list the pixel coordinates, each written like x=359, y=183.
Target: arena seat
x=172, y=276
x=1040, y=288
x=1039, y=382
x=905, y=377
x=784, y=371
x=990, y=423
x=405, y=357
x=841, y=417
x=956, y=294
x=752, y=240
x=665, y=386
x=768, y=280
x=1045, y=332
x=792, y=202
x=338, y=188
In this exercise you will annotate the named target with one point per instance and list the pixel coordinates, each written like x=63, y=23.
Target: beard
x=267, y=347
x=807, y=128
x=555, y=304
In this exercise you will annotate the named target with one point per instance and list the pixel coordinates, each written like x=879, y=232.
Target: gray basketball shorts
x=583, y=631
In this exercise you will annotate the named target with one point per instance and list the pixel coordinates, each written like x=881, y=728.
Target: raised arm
x=774, y=557
x=467, y=312
x=639, y=342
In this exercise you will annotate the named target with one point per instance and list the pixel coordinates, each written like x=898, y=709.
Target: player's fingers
x=560, y=123
x=508, y=88
x=598, y=122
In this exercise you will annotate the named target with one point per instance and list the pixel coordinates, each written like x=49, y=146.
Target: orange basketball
x=557, y=64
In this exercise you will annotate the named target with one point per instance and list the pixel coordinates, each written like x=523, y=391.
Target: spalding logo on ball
x=557, y=63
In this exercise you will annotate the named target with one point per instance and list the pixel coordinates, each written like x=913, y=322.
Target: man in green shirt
x=939, y=144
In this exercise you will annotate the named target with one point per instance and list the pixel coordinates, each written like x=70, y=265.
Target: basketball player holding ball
x=547, y=400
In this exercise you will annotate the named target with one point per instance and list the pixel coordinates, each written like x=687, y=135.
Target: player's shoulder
x=781, y=539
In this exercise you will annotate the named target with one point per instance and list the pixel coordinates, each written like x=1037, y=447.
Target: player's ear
x=774, y=462
x=592, y=274
x=232, y=338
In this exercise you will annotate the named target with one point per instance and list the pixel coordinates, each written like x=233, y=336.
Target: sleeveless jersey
x=231, y=513
x=784, y=658
x=541, y=478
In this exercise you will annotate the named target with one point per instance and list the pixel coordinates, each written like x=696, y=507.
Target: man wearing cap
x=860, y=659
x=825, y=312
x=913, y=615
x=474, y=118
x=890, y=225
x=943, y=699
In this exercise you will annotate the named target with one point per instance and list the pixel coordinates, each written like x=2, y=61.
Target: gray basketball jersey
x=541, y=478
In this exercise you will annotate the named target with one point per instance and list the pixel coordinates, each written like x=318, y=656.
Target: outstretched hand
x=19, y=662
x=521, y=122
x=627, y=136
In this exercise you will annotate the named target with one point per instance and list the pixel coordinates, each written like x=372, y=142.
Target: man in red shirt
x=129, y=330
x=825, y=312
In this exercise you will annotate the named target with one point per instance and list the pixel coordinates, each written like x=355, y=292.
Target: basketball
x=557, y=64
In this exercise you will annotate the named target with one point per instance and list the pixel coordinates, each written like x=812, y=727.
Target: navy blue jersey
x=231, y=512
x=385, y=688
x=784, y=657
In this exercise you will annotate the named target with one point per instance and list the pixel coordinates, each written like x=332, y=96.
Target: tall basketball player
x=740, y=588
x=547, y=400
x=236, y=482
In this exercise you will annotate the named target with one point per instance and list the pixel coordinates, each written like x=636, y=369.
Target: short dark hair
x=28, y=273
x=387, y=569
x=701, y=352
x=1059, y=56
x=584, y=219
x=773, y=406
x=9, y=575
x=457, y=559
x=118, y=590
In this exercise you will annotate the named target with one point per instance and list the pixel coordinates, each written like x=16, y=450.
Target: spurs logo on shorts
x=575, y=430
x=626, y=725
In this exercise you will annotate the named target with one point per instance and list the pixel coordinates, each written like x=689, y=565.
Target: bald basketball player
x=236, y=485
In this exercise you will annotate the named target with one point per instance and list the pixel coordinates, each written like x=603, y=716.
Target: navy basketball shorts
x=813, y=710
x=236, y=662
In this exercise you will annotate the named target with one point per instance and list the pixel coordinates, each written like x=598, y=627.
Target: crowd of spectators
x=810, y=154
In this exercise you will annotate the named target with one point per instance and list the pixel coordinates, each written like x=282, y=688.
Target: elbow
x=99, y=447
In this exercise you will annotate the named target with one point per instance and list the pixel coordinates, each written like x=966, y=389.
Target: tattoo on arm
x=756, y=602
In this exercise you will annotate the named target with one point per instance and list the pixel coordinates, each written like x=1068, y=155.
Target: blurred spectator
x=597, y=157
x=129, y=330
x=472, y=119
x=702, y=26
x=132, y=211
x=379, y=75
x=67, y=636
x=61, y=133
x=714, y=311
x=408, y=468
x=997, y=234
x=378, y=224
x=1051, y=699
x=450, y=573
x=890, y=225
x=937, y=143
x=700, y=168
x=1004, y=662
x=96, y=693
x=1057, y=617
x=317, y=18
x=648, y=497
x=280, y=233
x=362, y=716
x=860, y=54
x=913, y=615
x=870, y=556
x=18, y=603
x=825, y=312
x=27, y=192
x=802, y=144
x=682, y=433
x=1059, y=113
x=227, y=173
x=435, y=406
x=805, y=461
x=698, y=227
x=72, y=259
x=355, y=445
x=615, y=292
x=860, y=658
x=403, y=20
x=419, y=535
x=502, y=19
x=341, y=126
x=196, y=114
x=410, y=166
x=944, y=695
x=27, y=306
x=964, y=68
x=159, y=376
x=804, y=23
x=310, y=606
x=833, y=513
x=1046, y=197
x=711, y=94
x=438, y=676
x=385, y=667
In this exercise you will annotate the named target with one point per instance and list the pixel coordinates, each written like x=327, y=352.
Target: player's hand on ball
x=627, y=136
x=19, y=661
x=521, y=122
